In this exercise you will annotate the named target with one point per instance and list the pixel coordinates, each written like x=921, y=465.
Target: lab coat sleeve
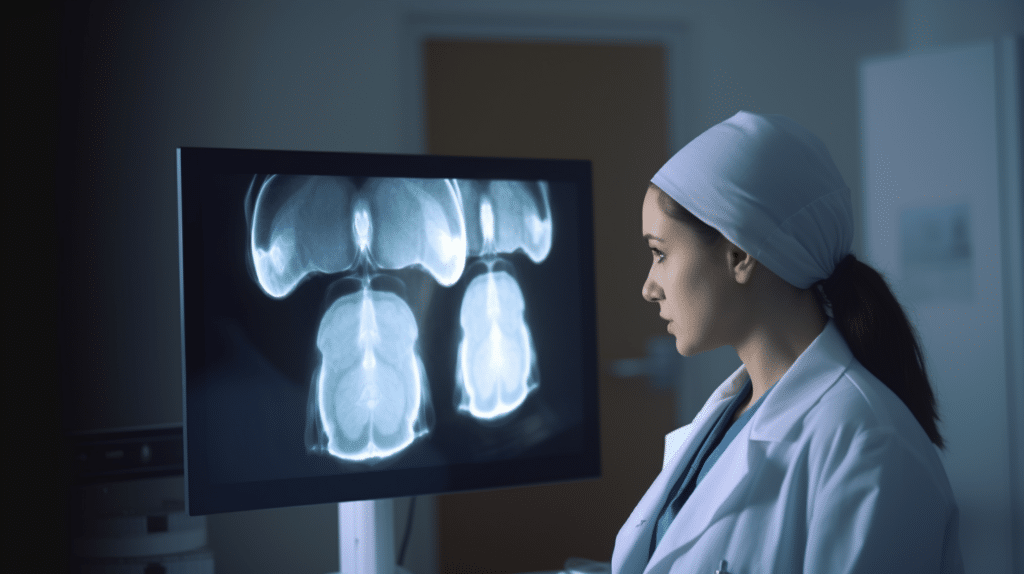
x=875, y=506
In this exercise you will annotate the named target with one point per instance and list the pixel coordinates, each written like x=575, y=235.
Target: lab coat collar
x=813, y=373
x=777, y=419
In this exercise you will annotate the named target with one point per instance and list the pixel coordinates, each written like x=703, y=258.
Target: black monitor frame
x=570, y=455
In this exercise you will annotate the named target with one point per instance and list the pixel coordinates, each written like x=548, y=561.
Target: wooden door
x=605, y=103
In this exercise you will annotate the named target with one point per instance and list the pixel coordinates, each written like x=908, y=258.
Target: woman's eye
x=657, y=254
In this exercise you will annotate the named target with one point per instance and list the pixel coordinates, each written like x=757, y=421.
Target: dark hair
x=673, y=210
x=870, y=319
x=880, y=337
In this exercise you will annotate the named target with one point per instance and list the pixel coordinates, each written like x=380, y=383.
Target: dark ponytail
x=881, y=338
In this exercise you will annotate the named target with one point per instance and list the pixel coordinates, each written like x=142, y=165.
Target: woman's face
x=689, y=280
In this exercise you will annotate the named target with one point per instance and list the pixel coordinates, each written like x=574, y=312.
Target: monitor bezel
x=203, y=496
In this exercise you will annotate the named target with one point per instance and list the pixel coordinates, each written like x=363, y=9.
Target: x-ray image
x=359, y=326
x=304, y=224
x=497, y=360
x=371, y=391
x=370, y=395
x=507, y=216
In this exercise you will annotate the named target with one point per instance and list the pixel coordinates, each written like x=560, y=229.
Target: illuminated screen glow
x=357, y=328
x=497, y=361
x=370, y=383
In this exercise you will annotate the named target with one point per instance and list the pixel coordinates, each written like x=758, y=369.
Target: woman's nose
x=649, y=290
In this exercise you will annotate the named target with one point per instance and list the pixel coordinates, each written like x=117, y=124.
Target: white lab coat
x=831, y=475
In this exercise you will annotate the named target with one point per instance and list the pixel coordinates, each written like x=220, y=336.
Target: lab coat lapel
x=721, y=492
x=635, y=534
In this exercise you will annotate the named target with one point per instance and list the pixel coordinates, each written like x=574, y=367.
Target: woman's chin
x=687, y=348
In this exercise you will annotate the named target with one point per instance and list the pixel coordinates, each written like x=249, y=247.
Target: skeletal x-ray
x=381, y=244
x=360, y=326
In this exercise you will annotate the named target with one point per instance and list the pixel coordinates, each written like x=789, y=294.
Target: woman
x=816, y=455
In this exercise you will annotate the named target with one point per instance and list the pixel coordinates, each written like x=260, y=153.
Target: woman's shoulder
x=858, y=400
x=860, y=416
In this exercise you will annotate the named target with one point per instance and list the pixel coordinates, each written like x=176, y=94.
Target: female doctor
x=819, y=454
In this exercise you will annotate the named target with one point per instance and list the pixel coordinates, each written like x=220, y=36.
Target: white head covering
x=770, y=187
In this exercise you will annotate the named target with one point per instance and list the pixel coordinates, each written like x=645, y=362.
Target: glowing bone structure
x=497, y=362
x=418, y=222
x=370, y=399
x=519, y=216
x=371, y=386
x=301, y=224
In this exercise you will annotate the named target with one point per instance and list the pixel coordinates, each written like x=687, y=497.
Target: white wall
x=939, y=136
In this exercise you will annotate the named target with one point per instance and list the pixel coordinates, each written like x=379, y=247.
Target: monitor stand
x=366, y=537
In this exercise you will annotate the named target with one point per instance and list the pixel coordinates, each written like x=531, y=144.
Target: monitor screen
x=364, y=326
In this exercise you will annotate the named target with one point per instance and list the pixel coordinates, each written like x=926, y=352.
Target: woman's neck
x=785, y=327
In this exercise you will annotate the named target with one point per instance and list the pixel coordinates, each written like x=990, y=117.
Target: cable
x=408, y=530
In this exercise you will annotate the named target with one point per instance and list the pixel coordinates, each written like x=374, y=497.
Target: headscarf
x=770, y=187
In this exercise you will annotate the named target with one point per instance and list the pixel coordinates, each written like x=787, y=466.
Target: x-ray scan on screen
x=365, y=326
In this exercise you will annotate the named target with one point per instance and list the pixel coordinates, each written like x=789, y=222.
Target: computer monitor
x=368, y=326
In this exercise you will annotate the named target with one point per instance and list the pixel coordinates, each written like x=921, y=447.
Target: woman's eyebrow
x=648, y=237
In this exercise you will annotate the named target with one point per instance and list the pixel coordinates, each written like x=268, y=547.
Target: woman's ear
x=741, y=263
